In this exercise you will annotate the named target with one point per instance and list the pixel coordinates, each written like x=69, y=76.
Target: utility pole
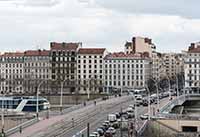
x=88, y=129
x=121, y=134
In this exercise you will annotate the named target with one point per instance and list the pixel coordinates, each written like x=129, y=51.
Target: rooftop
x=64, y=46
x=194, y=48
x=13, y=54
x=91, y=50
x=37, y=53
x=123, y=55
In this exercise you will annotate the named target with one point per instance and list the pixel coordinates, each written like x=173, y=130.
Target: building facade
x=174, y=64
x=90, y=69
x=64, y=65
x=139, y=45
x=12, y=72
x=192, y=67
x=127, y=71
x=37, y=68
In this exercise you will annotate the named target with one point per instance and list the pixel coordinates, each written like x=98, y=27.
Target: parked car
x=100, y=131
x=144, y=117
x=108, y=134
x=96, y=133
x=112, y=130
x=93, y=135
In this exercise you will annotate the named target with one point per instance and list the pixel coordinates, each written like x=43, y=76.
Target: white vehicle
x=112, y=117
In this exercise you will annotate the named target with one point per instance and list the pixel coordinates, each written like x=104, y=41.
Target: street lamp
x=149, y=103
x=177, y=86
x=38, y=89
x=158, y=101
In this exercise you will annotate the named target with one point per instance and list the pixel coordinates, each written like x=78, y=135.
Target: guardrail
x=142, y=128
x=21, y=126
x=165, y=111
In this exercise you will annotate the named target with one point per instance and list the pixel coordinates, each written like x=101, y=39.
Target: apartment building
x=11, y=72
x=37, y=68
x=192, y=67
x=174, y=64
x=126, y=70
x=140, y=45
x=90, y=69
x=158, y=66
x=64, y=65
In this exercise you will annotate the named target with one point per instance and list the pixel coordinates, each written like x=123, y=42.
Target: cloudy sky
x=32, y=24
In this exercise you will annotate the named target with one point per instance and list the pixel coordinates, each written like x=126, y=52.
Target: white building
x=192, y=67
x=126, y=70
x=11, y=72
x=90, y=69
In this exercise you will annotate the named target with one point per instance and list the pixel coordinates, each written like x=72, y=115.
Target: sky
x=33, y=24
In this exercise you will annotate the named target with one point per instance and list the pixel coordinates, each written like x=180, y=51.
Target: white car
x=96, y=133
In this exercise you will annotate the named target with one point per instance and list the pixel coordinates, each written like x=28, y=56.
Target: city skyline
x=34, y=24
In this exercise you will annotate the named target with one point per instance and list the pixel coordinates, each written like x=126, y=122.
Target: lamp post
x=149, y=103
x=158, y=100
x=61, y=94
x=177, y=86
x=37, y=96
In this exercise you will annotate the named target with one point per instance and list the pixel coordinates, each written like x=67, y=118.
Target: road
x=69, y=124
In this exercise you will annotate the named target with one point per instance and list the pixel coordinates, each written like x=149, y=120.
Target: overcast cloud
x=31, y=24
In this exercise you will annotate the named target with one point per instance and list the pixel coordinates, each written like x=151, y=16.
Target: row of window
x=90, y=66
x=123, y=71
x=124, y=61
x=90, y=56
x=124, y=83
x=123, y=65
x=90, y=76
x=90, y=61
x=133, y=77
x=90, y=71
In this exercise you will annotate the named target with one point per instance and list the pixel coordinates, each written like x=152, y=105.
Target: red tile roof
x=123, y=55
x=37, y=53
x=64, y=46
x=13, y=54
x=91, y=50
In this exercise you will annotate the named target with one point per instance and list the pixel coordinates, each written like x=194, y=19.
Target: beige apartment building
x=140, y=45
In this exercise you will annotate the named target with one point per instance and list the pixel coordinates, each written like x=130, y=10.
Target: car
x=131, y=106
x=115, y=124
x=100, y=131
x=103, y=128
x=144, y=117
x=92, y=135
x=118, y=115
x=108, y=134
x=106, y=126
x=96, y=133
x=112, y=130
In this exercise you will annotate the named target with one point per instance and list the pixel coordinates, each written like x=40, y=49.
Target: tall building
x=126, y=70
x=174, y=64
x=192, y=71
x=37, y=69
x=139, y=45
x=12, y=72
x=90, y=69
x=158, y=66
x=64, y=65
